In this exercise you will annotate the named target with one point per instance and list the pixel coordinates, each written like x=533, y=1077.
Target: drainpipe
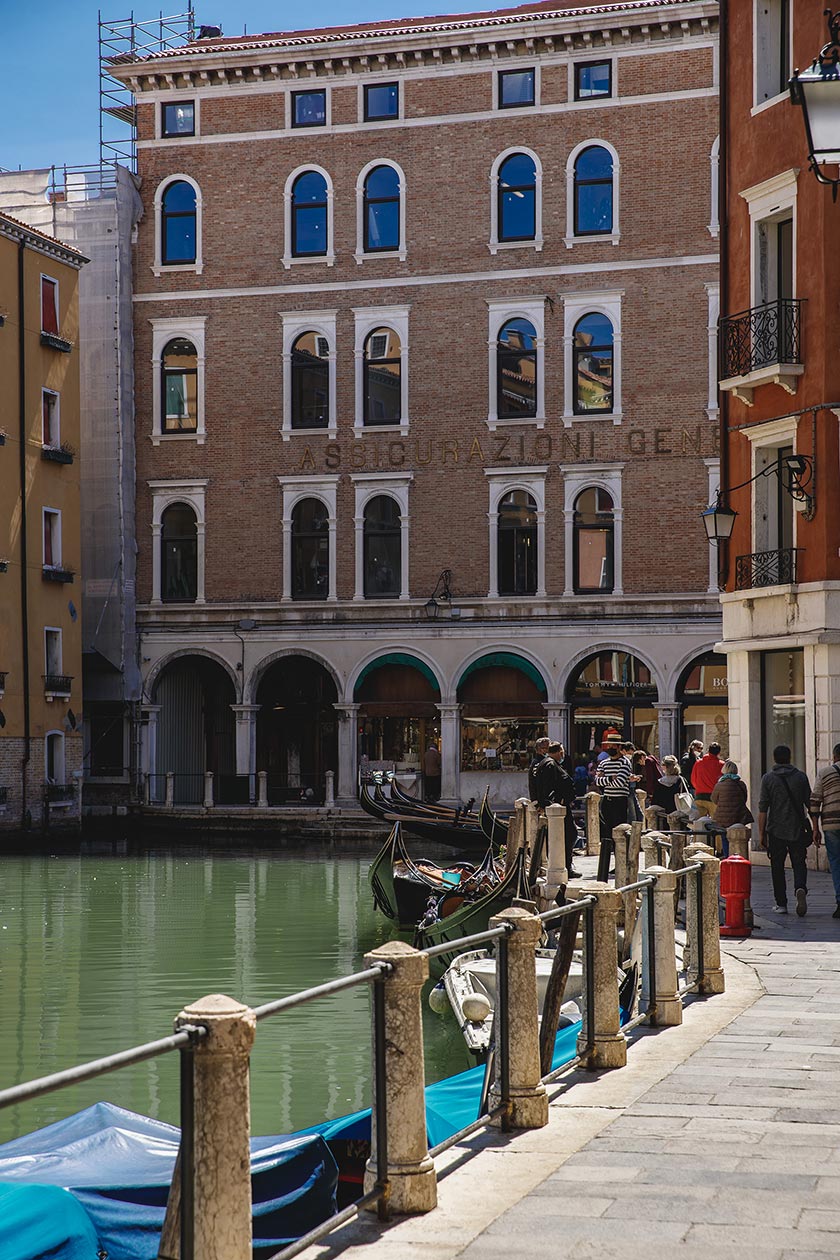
x=24, y=574
x=723, y=217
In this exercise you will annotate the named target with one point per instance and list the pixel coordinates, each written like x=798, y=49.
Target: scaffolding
x=131, y=40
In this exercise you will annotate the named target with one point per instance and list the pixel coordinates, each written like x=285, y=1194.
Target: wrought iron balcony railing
x=55, y=792
x=759, y=337
x=58, y=684
x=766, y=568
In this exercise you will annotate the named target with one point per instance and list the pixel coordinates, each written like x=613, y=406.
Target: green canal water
x=99, y=952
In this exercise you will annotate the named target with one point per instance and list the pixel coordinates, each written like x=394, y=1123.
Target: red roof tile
x=53, y=240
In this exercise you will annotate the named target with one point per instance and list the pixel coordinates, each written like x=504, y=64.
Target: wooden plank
x=560, y=968
x=170, y=1238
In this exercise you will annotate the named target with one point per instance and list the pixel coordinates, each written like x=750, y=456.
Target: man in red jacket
x=704, y=776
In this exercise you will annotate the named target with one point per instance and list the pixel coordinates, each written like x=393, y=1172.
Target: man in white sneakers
x=784, y=828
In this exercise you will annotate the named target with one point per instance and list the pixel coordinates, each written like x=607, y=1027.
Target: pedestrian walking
x=669, y=783
x=704, y=776
x=615, y=779
x=784, y=829
x=540, y=752
x=729, y=797
x=690, y=758
x=556, y=787
x=825, y=809
x=432, y=773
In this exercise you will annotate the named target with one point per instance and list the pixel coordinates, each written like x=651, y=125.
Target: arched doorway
x=703, y=697
x=502, y=698
x=398, y=697
x=296, y=730
x=612, y=691
x=195, y=729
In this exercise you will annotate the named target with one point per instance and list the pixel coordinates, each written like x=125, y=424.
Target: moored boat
x=402, y=886
x=455, y=921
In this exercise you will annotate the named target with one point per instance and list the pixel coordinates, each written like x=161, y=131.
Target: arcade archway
x=296, y=730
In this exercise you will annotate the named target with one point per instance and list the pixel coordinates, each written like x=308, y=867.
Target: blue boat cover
x=118, y=1165
x=44, y=1222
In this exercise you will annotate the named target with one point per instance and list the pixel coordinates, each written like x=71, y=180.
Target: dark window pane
x=310, y=384
x=594, y=208
x=179, y=198
x=179, y=239
x=517, y=544
x=310, y=186
x=382, y=100
x=519, y=221
x=517, y=170
x=383, y=181
x=516, y=363
x=179, y=554
x=310, y=550
x=309, y=109
x=383, y=225
x=593, y=79
x=382, y=386
x=382, y=558
x=179, y=120
x=516, y=87
x=310, y=230
x=593, y=354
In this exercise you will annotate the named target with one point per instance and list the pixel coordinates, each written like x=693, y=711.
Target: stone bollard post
x=652, y=817
x=515, y=835
x=262, y=789
x=610, y=1049
x=631, y=874
x=593, y=823
x=621, y=841
x=208, y=789
x=556, y=874
x=411, y=1173
x=666, y=1002
x=528, y=1099
x=641, y=797
x=329, y=788
x=532, y=825
x=649, y=848
x=222, y=1150
x=710, y=979
x=169, y=800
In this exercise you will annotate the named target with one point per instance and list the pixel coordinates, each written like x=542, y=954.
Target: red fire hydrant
x=735, y=886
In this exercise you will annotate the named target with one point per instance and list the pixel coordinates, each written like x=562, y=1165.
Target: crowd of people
x=791, y=814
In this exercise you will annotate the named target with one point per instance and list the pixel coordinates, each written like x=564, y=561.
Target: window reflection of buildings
x=517, y=370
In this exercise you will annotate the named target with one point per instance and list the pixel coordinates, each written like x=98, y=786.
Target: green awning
x=397, y=658
x=512, y=661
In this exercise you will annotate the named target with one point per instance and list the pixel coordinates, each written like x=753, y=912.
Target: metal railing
x=766, y=568
x=54, y=792
x=375, y=976
x=300, y=789
x=758, y=337
x=59, y=684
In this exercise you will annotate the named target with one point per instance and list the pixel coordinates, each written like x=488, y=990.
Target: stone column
x=669, y=715
x=668, y=1006
x=593, y=823
x=610, y=1048
x=712, y=979
x=246, y=742
x=450, y=752
x=528, y=1099
x=262, y=789
x=329, y=788
x=169, y=799
x=348, y=744
x=558, y=723
x=222, y=1127
x=411, y=1172
x=208, y=789
x=557, y=876
x=532, y=822
x=148, y=747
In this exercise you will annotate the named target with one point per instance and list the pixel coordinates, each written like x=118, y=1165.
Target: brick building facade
x=416, y=297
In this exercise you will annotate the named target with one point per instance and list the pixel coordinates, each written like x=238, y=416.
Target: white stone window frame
x=500, y=482
x=713, y=468
x=606, y=302
x=367, y=319
x=58, y=761
x=503, y=67
x=56, y=418
x=765, y=441
x=162, y=100
x=159, y=268
x=586, y=58
x=380, y=80
x=370, y=486
x=713, y=296
x=54, y=630
x=165, y=494
x=294, y=89
x=500, y=311
x=292, y=260
x=323, y=324
x=295, y=489
x=56, y=538
x=164, y=331
x=769, y=202
x=593, y=238
x=576, y=479
x=761, y=52
x=714, y=209
x=494, y=244
x=359, y=254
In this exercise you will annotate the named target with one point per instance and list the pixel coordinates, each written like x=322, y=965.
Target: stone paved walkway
x=720, y=1139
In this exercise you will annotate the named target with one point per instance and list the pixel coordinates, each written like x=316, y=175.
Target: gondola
x=470, y=916
x=494, y=828
x=465, y=813
x=402, y=887
x=464, y=836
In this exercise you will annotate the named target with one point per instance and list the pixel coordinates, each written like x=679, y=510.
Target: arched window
x=179, y=554
x=310, y=368
x=593, y=192
x=310, y=550
x=593, y=364
x=518, y=544
x=381, y=210
x=382, y=384
x=309, y=215
x=594, y=541
x=178, y=223
x=382, y=546
x=179, y=386
x=516, y=370
x=517, y=198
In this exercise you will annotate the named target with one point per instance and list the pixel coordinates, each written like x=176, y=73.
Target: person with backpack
x=784, y=828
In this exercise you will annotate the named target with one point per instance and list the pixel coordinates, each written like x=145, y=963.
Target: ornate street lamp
x=718, y=519
x=439, y=596
x=817, y=90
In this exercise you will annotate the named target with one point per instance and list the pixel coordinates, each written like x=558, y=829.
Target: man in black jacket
x=556, y=787
x=540, y=749
x=784, y=797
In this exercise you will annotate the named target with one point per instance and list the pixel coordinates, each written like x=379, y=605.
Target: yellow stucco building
x=40, y=545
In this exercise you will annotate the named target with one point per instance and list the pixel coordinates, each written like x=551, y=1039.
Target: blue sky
x=49, y=61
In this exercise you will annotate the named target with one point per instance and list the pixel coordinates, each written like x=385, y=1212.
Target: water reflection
x=99, y=953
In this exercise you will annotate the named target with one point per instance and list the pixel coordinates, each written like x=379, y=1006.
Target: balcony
x=57, y=686
x=58, y=454
x=766, y=568
x=54, y=342
x=59, y=793
x=760, y=346
x=55, y=573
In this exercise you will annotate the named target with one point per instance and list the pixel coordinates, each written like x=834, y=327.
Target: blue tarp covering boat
x=118, y=1167
x=44, y=1221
